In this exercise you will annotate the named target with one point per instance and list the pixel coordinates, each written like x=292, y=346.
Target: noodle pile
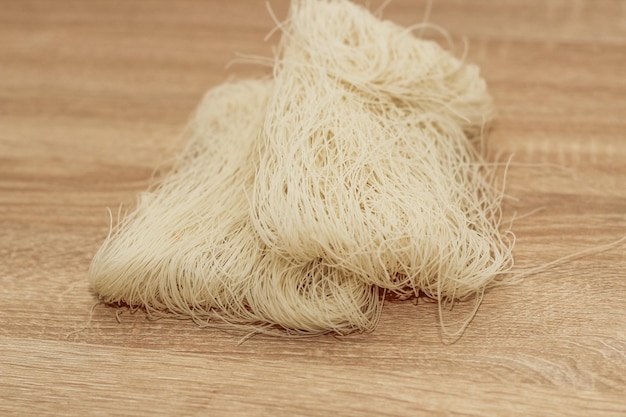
x=299, y=202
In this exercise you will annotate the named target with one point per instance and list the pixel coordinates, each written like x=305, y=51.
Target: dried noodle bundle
x=298, y=202
x=189, y=248
x=366, y=163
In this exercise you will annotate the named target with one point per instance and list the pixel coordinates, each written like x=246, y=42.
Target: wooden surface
x=93, y=95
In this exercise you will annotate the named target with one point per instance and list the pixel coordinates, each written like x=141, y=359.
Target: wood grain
x=93, y=96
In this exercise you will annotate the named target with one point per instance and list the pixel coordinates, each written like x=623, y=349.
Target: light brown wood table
x=93, y=96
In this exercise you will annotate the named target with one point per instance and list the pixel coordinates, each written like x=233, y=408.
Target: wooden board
x=93, y=96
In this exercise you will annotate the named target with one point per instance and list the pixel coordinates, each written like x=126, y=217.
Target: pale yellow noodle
x=298, y=202
x=189, y=249
x=369, y=159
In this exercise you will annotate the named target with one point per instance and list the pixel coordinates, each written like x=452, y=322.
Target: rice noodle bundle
x=366, y=163
x=189, y=249
x=298, y=202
